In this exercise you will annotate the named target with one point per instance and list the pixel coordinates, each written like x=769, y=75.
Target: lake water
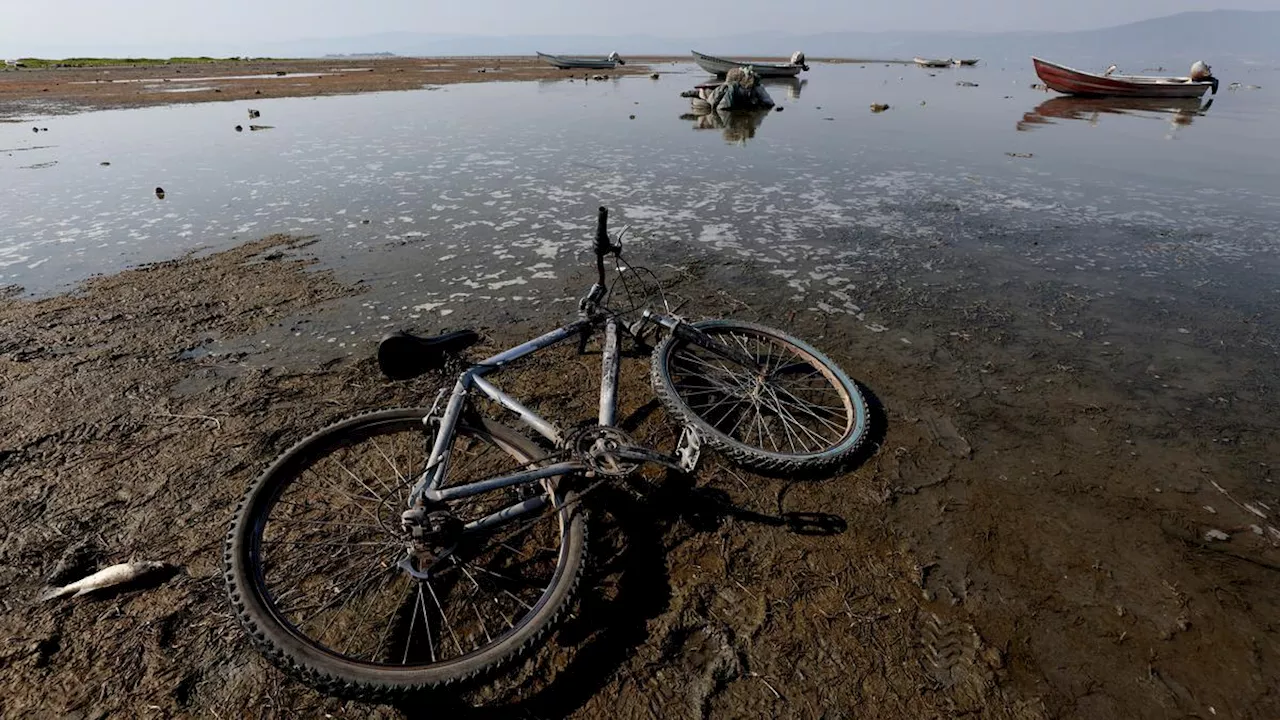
x=487, y=191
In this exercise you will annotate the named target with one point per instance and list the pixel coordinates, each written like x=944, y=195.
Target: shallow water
x=487, y=191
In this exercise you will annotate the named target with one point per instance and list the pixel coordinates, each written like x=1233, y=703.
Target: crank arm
x=645, y=455
x=685, y=461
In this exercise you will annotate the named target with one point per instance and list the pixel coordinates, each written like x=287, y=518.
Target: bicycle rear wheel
x=791, y=410
x=311, y=560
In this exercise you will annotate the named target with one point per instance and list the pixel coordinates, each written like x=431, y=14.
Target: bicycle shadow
x=627, y=582
x=625, y=586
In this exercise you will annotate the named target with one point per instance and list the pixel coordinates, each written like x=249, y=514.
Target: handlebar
x=602, y=245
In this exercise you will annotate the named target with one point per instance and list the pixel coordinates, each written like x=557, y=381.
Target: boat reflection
x=1178, y=111
x=791, y=85
x=738, y=126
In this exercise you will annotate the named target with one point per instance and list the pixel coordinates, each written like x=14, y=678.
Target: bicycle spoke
x=327, y=546
x=805, y=406
x=431, y=646
x=444, y=618
x=483, y=625
x=785, y=415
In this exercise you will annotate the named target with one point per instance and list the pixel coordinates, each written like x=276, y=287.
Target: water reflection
x=790, y=84
x=1178, y=111
x=738, y=126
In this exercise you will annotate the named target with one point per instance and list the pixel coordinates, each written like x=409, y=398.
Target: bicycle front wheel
x=789, y=410
x=311, y=560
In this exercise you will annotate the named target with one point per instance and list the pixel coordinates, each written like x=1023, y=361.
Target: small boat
x=721, y=66
x=965, y=62
x=565, y=62
x=1076, y=82
x=930, y=63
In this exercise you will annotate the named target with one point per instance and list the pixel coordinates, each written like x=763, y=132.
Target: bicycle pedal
x=689, y=449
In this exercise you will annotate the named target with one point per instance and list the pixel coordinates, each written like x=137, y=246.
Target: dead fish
x=107, y=577
x=160, y=193
x=253, y=113
x=1019, y=154
x=260, y=127
x=878, y=107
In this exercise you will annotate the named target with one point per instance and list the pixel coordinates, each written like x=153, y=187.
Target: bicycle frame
x=428, y=485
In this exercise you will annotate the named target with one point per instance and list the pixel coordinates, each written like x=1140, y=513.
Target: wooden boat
x=966, y=61
x=1076, y=82
x=721, y=66
x=931, y=63
x=565, y=62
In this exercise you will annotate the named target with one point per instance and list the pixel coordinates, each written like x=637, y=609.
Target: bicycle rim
x=322, y=538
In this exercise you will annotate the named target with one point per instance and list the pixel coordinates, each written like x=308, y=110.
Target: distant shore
x=97, y=84
x=55, y=87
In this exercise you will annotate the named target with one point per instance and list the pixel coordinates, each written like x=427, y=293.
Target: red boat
x=1076, y=82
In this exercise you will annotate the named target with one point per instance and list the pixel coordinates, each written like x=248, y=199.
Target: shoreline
x=61, y=91
x=68, y=90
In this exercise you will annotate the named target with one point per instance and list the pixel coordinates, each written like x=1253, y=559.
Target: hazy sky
x=160, y=23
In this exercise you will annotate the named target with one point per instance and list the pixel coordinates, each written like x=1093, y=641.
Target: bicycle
x=440, y=545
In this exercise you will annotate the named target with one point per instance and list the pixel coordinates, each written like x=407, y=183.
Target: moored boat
x=720, y=66
x=1077, y=82
x=931, y=62
x=565, y=62
x=965, y=61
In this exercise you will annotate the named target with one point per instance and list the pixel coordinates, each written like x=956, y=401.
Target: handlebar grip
x=602, y=244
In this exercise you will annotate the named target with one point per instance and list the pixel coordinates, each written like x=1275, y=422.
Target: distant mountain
x=1175, y=41
x=1227, y=37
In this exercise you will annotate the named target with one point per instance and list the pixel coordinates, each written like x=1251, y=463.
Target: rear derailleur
x=431, y=536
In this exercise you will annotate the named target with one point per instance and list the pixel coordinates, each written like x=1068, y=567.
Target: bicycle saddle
x=402, y=356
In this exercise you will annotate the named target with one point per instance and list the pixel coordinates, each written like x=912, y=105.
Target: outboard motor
x=1200, y=71
x=614, y=57
x=797, y=58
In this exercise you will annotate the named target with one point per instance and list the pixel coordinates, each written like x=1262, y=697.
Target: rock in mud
x=944, y=433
